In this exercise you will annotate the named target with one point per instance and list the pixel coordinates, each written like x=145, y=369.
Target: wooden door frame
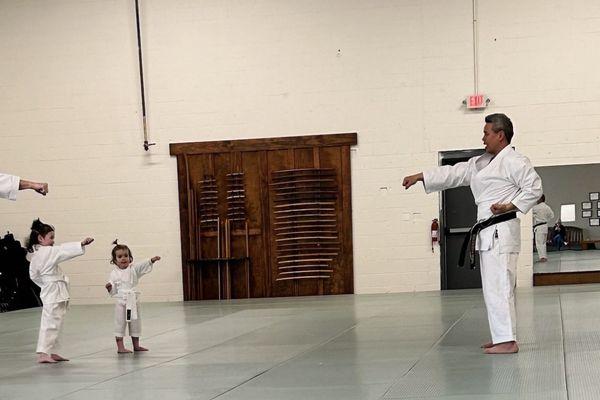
x=236, y=147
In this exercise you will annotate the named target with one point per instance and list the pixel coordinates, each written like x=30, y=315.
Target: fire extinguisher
x=435, y=232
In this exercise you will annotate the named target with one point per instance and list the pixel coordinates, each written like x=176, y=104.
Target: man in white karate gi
x=10, y=185
x=502, y=181
x=542, y=214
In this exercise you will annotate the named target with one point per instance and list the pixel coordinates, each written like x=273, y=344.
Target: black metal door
x=458, y=214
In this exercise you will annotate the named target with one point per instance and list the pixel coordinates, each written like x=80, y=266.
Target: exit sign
x=476, y=101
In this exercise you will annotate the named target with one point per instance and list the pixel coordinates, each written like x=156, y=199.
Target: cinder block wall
x=395, y=72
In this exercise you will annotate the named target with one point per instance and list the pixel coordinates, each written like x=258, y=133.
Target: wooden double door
x=266, y=217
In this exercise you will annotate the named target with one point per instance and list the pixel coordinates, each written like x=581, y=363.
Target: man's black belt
x=539, y=224
x=472, y=235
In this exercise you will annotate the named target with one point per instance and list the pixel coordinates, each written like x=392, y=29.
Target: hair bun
x=36, y=225
x=115, y=242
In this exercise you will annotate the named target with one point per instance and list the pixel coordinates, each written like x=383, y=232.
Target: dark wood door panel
x=206, y=249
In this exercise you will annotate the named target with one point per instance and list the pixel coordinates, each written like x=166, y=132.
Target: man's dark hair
x=500, y=122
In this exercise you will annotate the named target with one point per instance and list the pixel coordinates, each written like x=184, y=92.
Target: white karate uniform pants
x=499, y=278
x=135, y=325
x=541, y=235
x=53, y=315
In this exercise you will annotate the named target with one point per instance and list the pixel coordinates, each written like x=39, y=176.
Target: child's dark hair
x=119, y=247
x=38, y=228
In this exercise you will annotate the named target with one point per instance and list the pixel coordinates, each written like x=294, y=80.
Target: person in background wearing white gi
x=10, y=185
x=122, y=285
x=45, y=272
x=542, y=213
x=502, y=181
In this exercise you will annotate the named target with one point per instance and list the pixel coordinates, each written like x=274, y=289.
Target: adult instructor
x=502, y=181
x=10, y=185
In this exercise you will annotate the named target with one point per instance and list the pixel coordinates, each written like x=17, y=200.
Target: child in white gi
x=46, y=273
x=122, y=285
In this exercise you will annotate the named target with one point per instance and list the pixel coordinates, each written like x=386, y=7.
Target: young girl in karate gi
x=122, y=285
x=46, y=273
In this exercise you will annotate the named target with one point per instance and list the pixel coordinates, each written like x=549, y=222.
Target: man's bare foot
x=44, y=358
x=57, y=357
x=124, y=351
x=487, y=345
x=140, y=348
x=503, y=348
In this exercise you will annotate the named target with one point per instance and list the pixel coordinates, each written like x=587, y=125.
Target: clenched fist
x=412, y=179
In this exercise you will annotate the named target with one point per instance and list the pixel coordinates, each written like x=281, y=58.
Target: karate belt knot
x=130, y=297
x=47, y=279
x=471, y=237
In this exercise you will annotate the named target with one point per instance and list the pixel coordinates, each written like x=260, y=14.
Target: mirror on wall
x=571, y=235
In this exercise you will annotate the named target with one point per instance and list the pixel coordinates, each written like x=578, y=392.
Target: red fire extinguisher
x=435, y=232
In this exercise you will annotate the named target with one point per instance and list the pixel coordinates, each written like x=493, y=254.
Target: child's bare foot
x=121, y=347
x=44, y=358
x=487, y=345
x=503, y=348
x=57, y=357
x=135, y=341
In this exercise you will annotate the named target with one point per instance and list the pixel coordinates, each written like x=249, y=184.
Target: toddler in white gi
x=122, y=285
x=46, y=273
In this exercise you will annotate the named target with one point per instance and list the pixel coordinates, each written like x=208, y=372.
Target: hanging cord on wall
x=139, y=42
x=475, y=50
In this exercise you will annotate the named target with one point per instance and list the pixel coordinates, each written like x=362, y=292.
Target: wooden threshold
x=566, y=278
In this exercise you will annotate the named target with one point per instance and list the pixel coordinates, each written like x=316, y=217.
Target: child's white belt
x=131, y=311
x=54, y=278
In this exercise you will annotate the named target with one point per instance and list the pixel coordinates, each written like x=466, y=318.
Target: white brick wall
x=393, y=71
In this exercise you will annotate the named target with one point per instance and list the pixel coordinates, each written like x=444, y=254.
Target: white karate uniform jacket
x=542, y=214
x=44, y=270
x=124, y=281
x=506, y=178
x=9, y=186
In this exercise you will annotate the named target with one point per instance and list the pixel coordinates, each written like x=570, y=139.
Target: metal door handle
x=459, y=230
